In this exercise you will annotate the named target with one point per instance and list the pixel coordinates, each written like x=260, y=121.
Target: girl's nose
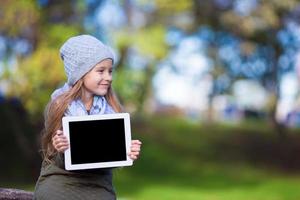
x=108, y=76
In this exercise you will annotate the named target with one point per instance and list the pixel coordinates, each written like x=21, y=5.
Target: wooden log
x=15, y=194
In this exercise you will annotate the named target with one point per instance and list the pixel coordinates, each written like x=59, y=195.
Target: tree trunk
x=278, y=128
x=146, y=87
x=26, y=146
x=16, y=194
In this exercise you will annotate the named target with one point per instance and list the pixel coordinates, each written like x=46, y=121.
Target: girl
x=88, y=65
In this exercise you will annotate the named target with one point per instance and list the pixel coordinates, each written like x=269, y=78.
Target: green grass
x=164, y=179
x=179, y=161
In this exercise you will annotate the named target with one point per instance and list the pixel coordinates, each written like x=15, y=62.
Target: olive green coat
x=55, y=183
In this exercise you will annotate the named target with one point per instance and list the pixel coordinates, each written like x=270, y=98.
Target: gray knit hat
x=80, y=54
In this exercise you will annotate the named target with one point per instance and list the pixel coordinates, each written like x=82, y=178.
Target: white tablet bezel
x=67, y=153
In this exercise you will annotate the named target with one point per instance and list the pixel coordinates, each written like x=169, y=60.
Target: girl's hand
x=135, y=149
x=60, y=142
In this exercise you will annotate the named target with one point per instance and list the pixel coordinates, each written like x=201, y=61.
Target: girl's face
x=98, y=80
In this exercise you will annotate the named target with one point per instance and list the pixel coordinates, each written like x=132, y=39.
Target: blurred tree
x=147, y=41
x=143, y=36
x=140, y=39
x=257, y=25
x=33, y=78
x=19, y=19
x=31, y=68
x=153, y=50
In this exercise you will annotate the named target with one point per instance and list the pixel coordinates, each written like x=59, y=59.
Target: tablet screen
x=97, y=141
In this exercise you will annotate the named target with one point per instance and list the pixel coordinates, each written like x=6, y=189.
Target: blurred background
x=212, y=86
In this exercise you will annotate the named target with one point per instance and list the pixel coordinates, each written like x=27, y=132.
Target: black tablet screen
x=97, y=141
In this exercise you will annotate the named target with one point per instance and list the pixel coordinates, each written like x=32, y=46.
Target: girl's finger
x=133, y=157
x=136, y=145
x=60, y=139
x=135, y=148
x=62, y=148
x=59, y=136
x=59, y=145
x=59, y=132
x=136, y=142
x=135, y=153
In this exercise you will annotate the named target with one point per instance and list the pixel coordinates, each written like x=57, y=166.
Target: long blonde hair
x=55, y=110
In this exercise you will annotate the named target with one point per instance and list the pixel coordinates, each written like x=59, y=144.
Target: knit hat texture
x=80, y=54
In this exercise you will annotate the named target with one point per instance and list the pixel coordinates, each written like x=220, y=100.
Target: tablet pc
x=97, y=141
